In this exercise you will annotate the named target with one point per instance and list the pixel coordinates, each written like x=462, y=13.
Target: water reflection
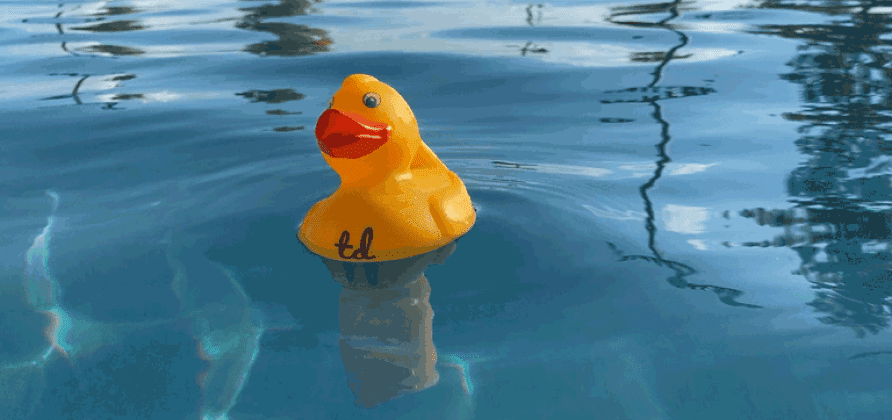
x=530, y=47
x=839, y=225
x=116, y=26
x=74, y=93
x=107, y=82
x=652, y=95
x=111, y=49
x=275, y=96
x=99, y=15
x=102, y=49
x=385, y=318
x=293, y=40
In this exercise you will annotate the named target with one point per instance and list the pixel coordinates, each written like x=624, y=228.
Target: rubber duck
x=396, y=199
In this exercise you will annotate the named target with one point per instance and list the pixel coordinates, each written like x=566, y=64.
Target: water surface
x=683, y=208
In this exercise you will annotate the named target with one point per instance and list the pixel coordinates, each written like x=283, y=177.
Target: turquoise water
x=683, y=208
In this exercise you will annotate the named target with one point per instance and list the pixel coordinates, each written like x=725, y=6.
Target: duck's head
x=368, y=133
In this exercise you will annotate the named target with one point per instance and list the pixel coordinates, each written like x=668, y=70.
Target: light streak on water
x=463, y=362
x=41, y=289
x=231, y=350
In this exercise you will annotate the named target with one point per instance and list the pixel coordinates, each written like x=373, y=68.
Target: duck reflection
x=385, y=318
x=652, y=95
x=293, y=40
x=839, y=225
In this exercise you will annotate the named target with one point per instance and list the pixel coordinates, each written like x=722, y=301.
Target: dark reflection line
x=76, y=88
x=661, y=165
x=726, y=295
x=658, y=72
x=74, y=95
x=530, y=47
x=664, y=134
x=530, y=14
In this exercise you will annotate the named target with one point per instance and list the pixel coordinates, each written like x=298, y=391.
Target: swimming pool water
x=683, y=211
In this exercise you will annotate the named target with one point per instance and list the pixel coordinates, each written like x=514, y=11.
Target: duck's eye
x=371, y=99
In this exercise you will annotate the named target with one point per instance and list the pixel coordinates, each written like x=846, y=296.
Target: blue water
x=683, y=208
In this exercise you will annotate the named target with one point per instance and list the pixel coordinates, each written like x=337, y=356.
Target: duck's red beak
x=343, y=134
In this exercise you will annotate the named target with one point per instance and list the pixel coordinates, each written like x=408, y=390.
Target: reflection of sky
x=684, y=219
x=572, y=34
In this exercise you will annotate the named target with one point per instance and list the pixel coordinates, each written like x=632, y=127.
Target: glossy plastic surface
x=396, y=198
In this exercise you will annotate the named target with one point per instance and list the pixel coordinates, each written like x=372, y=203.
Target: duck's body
x=396, y=199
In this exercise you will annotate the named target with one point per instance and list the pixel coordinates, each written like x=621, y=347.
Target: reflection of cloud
x=697, y=244
x=639, y=170
x=683, y=219
x=162, y=96
x=555, y=169
x=646, y=168
x=574, y=170
x=611, y=213
x=689, y=168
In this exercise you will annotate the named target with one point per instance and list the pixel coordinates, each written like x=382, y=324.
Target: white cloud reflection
x=611, y=213
x=689, y=168
x=683, y=219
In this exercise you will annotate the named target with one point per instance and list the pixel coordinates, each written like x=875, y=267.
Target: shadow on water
x=652, y=94
x=839, y=224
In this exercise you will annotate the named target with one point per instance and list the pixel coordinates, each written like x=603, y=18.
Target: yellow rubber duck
x=396, y=198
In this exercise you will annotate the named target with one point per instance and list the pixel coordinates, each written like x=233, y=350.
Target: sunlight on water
x=42, y=290
x=230, y=348
x=463, y=363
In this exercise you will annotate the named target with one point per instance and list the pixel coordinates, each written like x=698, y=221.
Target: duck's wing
x=425, y=158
